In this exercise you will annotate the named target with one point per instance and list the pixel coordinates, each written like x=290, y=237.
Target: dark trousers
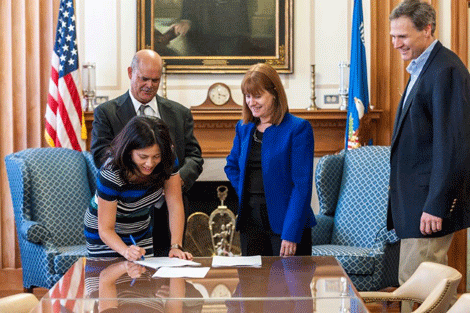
x=260, y=242
x=161, y=228
x=257, y=237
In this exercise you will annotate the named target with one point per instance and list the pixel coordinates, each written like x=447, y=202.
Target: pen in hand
x=135, y=244
x=133, y=282
x=142, y=258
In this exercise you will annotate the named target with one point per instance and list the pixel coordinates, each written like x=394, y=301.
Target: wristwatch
x=176, y=246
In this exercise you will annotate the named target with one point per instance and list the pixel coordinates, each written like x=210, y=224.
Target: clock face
x=219, y=94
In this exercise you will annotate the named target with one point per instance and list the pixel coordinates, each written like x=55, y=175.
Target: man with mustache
x=110, y=118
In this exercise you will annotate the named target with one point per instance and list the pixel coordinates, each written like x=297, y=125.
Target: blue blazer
x=287, y=166
x=430, y=149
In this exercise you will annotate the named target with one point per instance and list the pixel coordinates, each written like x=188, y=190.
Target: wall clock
x=219, y=97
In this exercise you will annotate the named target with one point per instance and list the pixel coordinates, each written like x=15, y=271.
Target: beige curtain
x=27, y=31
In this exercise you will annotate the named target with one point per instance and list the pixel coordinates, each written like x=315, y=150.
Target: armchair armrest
x=321, y=233
x=385, y=236
x=377, y=296
x=34, y=232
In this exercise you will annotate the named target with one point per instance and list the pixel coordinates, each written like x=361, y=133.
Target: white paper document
x=188, y=272
x=155, y=262
x=218, y=261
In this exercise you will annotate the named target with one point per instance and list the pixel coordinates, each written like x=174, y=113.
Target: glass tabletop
x=281, y=284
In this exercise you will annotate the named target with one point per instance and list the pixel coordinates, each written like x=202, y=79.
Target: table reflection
x=290, y=284
x=333, y=294
x=124, y=286
x=288, y=278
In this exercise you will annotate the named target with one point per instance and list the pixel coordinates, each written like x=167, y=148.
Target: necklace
x=256, y=139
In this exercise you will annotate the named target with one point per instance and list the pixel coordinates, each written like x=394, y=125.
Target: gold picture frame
x=217, y=36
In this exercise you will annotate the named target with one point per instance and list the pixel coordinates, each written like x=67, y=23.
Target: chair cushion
x=328, y=174
x=57, y=197
x=354, y=260
x=363, y=198
x=68, y=255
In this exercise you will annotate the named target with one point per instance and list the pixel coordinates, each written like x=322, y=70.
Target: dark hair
x=261, y=77
x=139, y=133
x=421, y=14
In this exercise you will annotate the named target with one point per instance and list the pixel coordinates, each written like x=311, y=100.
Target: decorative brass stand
x=222, y=225
x=164, y=79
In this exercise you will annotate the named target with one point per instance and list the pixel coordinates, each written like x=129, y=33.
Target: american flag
x=64, y=109
x=68, y=293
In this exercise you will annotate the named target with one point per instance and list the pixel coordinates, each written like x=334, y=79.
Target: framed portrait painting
x=217, y=36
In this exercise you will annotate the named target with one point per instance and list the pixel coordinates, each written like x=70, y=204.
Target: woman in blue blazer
x=271, y=168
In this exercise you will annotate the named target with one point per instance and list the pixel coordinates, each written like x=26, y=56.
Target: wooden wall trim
x=459, y=41
x=459, y=29
x=388, y=74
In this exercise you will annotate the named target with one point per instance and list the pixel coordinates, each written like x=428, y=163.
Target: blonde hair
x=258, y=78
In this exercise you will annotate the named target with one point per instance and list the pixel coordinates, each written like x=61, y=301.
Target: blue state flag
x=358, y=88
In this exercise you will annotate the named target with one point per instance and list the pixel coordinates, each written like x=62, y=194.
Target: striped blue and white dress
x=133, y=295
x=134, y=205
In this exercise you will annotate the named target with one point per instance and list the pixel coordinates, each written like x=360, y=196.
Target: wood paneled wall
x=459, y=18
x=388, y=76
x=459, y=41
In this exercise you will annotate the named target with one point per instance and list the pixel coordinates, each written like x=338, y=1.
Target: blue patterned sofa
x=352, y=191
x=50, y=188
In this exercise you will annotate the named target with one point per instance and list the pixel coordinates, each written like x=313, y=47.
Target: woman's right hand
x=134, y=270
x=134, y=253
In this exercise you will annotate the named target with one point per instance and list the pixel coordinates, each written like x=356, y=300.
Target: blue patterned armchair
x=352, y=191
x=50, y=188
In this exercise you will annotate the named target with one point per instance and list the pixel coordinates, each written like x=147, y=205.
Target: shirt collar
x=416, y=65
x=137, y=104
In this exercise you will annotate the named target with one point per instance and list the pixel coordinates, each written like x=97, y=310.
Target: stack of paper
x=187, y=272
x=219, y=261
x=174, y=267
x=155, y=262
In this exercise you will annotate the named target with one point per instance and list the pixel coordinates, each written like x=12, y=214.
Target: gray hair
x=421, y=14
x=135, y=63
